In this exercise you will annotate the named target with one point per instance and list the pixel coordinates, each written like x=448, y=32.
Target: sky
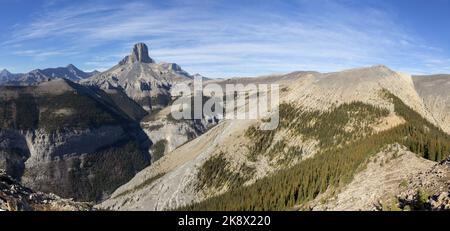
x=228, y=38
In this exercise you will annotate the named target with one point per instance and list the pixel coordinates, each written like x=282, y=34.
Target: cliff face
x=72, y=141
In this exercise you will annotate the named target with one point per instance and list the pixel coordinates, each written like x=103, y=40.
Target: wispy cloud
x=219, y=39
x=43, y=53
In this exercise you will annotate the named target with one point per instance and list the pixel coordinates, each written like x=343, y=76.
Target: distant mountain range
x=70, y=72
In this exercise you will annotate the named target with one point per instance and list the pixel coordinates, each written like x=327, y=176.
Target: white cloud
x=42, y=53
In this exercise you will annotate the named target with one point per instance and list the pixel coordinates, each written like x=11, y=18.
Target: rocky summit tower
x=138, y=54
x=141, y=78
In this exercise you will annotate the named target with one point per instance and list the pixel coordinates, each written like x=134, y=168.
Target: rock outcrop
x=394, y=179
x=15, y=197
x=428, y=190
x=138, y=54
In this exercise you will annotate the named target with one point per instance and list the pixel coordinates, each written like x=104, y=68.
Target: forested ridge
x=335, y=165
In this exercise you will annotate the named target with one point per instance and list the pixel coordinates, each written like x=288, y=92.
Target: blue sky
x=229, y=38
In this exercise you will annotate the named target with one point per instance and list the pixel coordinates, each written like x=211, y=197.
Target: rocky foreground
x=429, y=190
x=394, y=179
x=15, y=197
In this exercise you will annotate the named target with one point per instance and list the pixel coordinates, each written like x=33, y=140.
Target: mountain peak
x=5, y=73
x=380, y=67
x=139, y=53
x=71, y=66
x=374, y=70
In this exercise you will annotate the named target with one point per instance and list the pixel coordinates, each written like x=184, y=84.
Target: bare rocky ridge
x=321, y=91
x=15, y=197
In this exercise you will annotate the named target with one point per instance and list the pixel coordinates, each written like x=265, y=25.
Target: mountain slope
x=361, y=84
x=67, y=139
x=434, y=91
x=250, y=155
x=333, y=167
